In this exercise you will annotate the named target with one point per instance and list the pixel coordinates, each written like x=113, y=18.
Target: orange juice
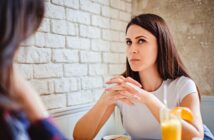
x=171, y=129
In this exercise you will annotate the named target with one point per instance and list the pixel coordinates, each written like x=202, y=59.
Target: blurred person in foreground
x=22, y=113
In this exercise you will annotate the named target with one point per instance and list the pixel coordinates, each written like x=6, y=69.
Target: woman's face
x=141, y=48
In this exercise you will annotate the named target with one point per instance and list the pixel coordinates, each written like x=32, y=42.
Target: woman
x=154, y=66
x=22, y=114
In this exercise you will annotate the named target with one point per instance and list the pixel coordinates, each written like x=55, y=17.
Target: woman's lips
x=135, y=60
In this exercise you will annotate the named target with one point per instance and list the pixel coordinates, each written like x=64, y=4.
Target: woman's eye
x=140, y=41
x=128, y=42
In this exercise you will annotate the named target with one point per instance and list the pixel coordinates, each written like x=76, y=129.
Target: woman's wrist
x=103, y=103
x=146, y=98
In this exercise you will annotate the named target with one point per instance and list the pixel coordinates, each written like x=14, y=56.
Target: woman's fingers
x=120, y=80
x=126, y=92
x=117, y=96
x=114, y=88
x=123, y=98
x=126, y=86
x=131, y=88
x=130, y=80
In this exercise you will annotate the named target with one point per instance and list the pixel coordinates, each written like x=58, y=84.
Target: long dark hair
x=169, y=62
x=18, y=20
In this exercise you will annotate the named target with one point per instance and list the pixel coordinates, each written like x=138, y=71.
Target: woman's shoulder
x=182, y=81
x=183, y=87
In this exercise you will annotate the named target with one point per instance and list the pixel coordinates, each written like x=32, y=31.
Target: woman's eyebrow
x=140, y=37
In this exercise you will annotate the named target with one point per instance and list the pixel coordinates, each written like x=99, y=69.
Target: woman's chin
x=135, y=69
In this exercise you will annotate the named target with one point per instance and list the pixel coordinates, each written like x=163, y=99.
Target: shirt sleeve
x=45, y=129
x=186, y=86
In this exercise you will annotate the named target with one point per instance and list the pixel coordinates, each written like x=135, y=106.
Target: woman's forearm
x=90, y=124
x=188, y=130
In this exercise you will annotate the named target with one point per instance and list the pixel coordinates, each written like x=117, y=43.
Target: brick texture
x=78, y=45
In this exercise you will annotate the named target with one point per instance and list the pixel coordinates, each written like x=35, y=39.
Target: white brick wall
x=100, y=45
x=100, y=21
x=118, y=4
x=54, y=101
x=40, y=39
x=79, y=45
x=55, y=41
x=61, y=85
x=65, y=55
x=75, y=70
x=110, y=12
x=48, y=71
x=98, y=69
x=43, y=86
x=90, y=57
x=27, y=70
x=45, y=27
x=114, y=58
x=34, y=55
x=89, y=6
x=92, y=82
x=80, y=97
x=90, y=31
x=54, y=11
x=78, y=16
x=59, y=27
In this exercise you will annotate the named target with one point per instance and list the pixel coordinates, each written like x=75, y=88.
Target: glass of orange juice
x=170, y=125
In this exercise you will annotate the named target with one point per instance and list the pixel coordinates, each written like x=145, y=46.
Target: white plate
x=110, y=137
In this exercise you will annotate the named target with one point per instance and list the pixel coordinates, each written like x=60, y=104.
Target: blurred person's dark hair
x=18, y=20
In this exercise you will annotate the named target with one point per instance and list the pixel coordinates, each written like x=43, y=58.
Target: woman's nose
x=133, y=49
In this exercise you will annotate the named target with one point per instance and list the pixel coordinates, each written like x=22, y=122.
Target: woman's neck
x=150, y=79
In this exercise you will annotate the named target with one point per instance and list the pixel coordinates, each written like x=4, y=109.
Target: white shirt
x=137, y=119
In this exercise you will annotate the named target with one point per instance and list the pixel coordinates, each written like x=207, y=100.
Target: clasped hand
x=127, y=90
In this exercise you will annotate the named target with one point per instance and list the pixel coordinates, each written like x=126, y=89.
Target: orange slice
x=183, y=112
